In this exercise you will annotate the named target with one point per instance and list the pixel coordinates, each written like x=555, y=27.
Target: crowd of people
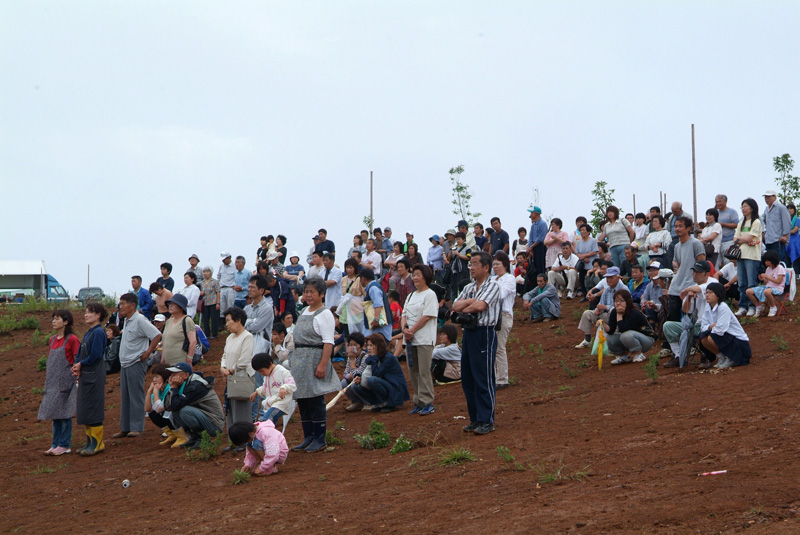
x=380, y=303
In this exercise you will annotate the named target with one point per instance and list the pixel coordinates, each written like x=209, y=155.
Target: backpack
x=112, y=356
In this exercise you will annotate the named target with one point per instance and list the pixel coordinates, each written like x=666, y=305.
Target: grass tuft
x=456, y=456
x=240, y=477
x=376, y=438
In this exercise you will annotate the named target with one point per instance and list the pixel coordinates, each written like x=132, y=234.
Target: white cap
x=770, y=193
x=224, y=255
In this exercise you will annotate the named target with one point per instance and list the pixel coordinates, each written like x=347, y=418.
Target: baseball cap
x=701, y=266
x=387, y=229
x=181, y=367
x=654, y=265
x=612, y=271
x=224, y=254
x=770, y=193
x=535, y=209
x=272, y=255
x=160, y=317
x=462, y=223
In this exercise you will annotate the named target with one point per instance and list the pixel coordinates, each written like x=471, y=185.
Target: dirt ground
x=601, y=452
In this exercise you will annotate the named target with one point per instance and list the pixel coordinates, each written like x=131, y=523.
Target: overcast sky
x=134, y=133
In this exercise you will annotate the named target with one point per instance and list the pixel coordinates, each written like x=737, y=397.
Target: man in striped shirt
x=481, y=298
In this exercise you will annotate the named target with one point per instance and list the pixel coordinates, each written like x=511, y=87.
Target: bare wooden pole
x=694, y=180
x=371, y=220
x=634, y=205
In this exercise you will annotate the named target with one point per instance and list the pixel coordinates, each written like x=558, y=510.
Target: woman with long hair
x=501, y=266
x=748, y=238
x=628, y=332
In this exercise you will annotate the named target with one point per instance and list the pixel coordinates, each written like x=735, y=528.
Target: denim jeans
x=779, y=248
x=255, y=408
x=195, y=420
x=62, y=433
x=539, y=308
x=748, y=277
x=376, y=394
x=273, y=414
x=617, y=254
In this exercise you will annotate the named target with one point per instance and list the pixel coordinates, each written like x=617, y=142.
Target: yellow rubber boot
x=181, y=438
x=88, y=439
x=96, y=444
x=171, y=437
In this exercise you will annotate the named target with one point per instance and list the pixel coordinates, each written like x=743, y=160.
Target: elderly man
x=193, y=403
x=536, y=248
x=589, y=317
x=276, y=268
x=240, y=280
x=629, y=261
x=729, y=220
x=372, y=259
x=469, y=237
x=777, y=224
x=638, y=284
x=543, y=301
x=564, y=273
x=480, y=298
x=139, y=340
x=194, y=260
x=226, y=276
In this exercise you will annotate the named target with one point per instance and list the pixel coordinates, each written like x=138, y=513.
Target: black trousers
x=312, y=409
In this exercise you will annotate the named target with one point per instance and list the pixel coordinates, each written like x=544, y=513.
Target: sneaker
x=704, y=364
x=727, y=364
x=49, y=452
x=415, y=410
x=483, y=429
x=751, y=312
x=547, y=319
x=583, y=345
x=773, y=311
x=61, y=451
x=672, y=363
x=537, y=320
x=639, y=358
x=427, y=409
x=353, y=407
x=624, y=359
x=570, y=294
x=741, y=312
x=470, y=428
x=758, y=310
x=665, y=353
x=720, y=361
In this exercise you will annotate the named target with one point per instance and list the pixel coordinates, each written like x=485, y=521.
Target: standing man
x=260, y=317
x=139, y=340
x=324, y=245
x=226, y=275
x=481, y=298
x=536, y=248
x=311, y=251
x=372, y=259
x=378, y=235
x=194, y=260
x=241, y=278
x=333, y=280
x=688, y=250
x=481, y=241
x=145, y=301
x=777, y=224
x=499, y=238
x=729, y=220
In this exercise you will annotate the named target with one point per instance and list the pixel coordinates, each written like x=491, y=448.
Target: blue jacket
x=145, y=303
x=387, y=368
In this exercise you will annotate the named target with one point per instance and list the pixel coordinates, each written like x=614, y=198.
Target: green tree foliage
x=789, y=185
x=602, y=197
x=462, y=196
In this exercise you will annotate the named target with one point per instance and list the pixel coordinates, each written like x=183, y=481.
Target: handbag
x=734, y=252
x=240, y=386
x=709, y=247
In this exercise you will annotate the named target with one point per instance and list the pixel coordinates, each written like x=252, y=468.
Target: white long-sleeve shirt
x=725, y=322
x=270, y=390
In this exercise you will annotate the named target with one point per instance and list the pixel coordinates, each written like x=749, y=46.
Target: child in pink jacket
x=266, y=446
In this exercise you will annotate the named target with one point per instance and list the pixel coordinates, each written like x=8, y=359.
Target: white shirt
x=508, y=291
x=333, y=295
x=418, y=305
x=729, y=271
x=572, y=261
x=725, y=321
x=192, y=294
x=238, y=353
x=708, y=230
x=374, y=258
x=324, y=324
x=315, y=271
x=700, y=299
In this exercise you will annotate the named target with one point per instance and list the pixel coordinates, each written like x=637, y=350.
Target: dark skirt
x=735, y=349
x=92, y=394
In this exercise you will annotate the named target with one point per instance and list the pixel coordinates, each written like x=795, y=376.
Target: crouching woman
x=720, y=331
x=382, y=383
x=628, y=332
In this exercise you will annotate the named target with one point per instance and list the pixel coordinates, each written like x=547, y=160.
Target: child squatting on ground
x=266, y=446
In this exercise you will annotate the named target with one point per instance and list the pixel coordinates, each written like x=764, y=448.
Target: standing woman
x=210, y=294
x=236, y=360
x=793, y=249
x=554, y=239
x=748, y=237
x=418, y=324
x=178, y=330
x=711, y=237
x=352, y=315
x=58, y=403
x=520, y=245
x=657, y=242
x=618, y=232
x=508, y=288
x=191, y=292
x=90, y=369
x=311, y=365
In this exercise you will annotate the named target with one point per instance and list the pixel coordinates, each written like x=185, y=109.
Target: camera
x=465, y=319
